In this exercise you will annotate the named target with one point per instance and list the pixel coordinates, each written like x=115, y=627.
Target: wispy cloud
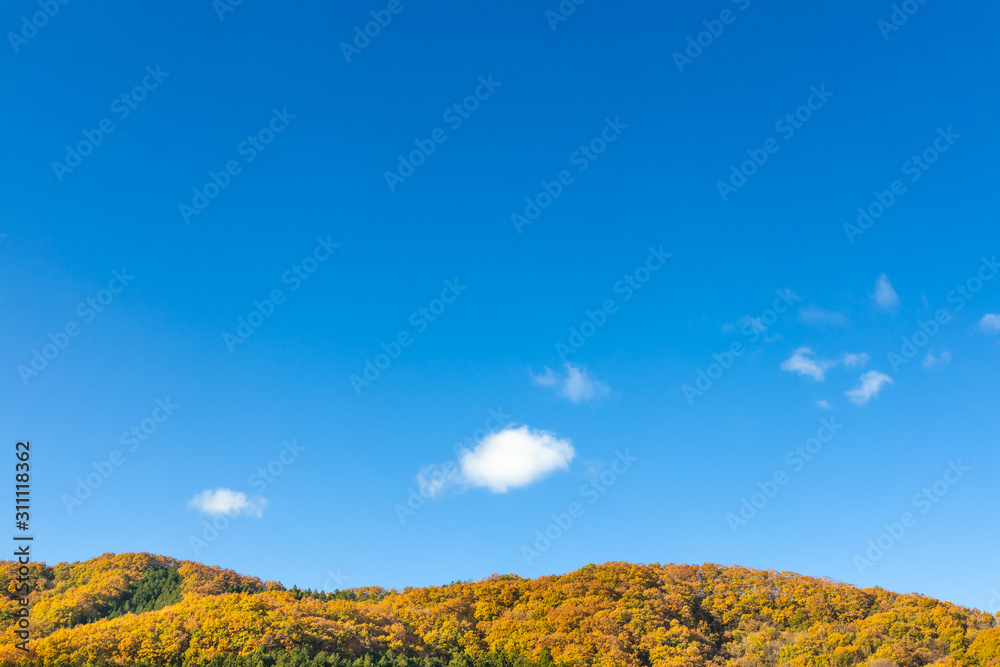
x=226, y=501
x=860, y=359
x=508, y=459
x=990, y=323
x=930, y=361
x=885, y=296
x=576, y=384
x=433, y=479
x=804, y=362
x=825, y=405
x=815, y=316
x=869, y=386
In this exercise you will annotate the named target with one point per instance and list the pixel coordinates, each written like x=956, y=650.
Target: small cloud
x=511, y=458
x=885, y=296
x=576, y=385
x=869, y=386
x=930, y=361
x=548, y=379
x=515, y=457
x=750, y=325
x=825, y=405
x=860, y=359
x=226, y=501
x=728, y=327
x=804, y=362
x=990, y=323
x=814, y=316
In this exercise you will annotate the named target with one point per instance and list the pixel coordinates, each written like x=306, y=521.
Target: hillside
x=141, y=609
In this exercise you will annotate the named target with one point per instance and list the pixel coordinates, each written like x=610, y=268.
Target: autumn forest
x=142, y=609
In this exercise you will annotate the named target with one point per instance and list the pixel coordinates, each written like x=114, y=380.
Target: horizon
x=332, y=577
x=400, y=293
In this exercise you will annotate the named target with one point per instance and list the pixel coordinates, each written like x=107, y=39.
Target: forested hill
x=141, y=609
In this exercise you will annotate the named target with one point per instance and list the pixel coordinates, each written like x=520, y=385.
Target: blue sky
x=239, y=195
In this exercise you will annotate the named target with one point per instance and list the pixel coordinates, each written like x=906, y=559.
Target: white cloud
x=515, y=457
x=990, y=323
x=815, y=316
x=804, y=362
x=860, y=359
x=869, y=386
x=825, y=405
x=576, y=385
x=930, y=360
x=885, y=296
x=226, y=501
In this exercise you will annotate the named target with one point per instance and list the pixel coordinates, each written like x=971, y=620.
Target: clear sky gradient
x=168, y=171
